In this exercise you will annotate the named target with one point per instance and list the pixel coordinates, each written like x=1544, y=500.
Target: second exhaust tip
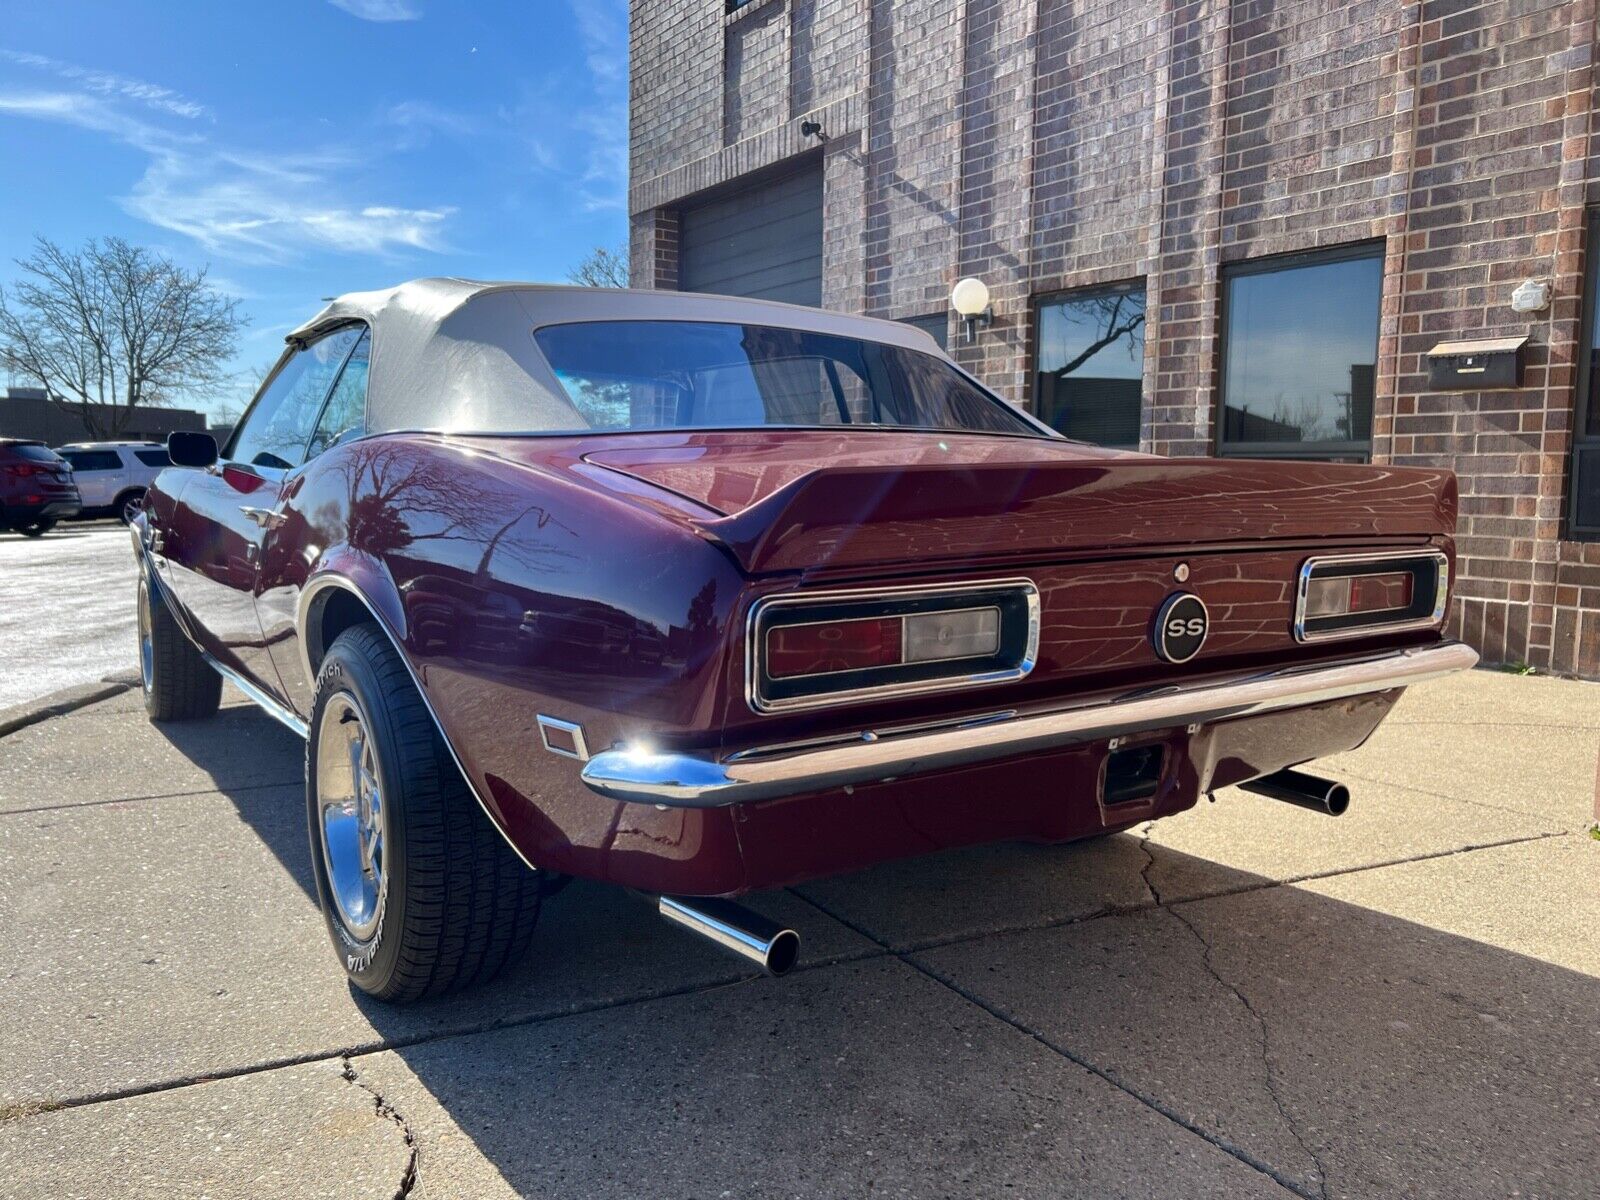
x=1308, y=791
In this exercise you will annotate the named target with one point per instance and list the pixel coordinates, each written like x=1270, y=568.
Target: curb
x=31, y=712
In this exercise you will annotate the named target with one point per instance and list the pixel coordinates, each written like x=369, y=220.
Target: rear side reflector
x=806, y=650
x=1352, y=595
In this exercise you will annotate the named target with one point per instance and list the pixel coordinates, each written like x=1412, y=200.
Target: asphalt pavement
x=66, y=608
x=1245, y=1000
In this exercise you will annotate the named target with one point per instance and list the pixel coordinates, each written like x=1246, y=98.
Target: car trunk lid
x=787, y=501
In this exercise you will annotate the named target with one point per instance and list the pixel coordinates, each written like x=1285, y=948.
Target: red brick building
x=1207, y=228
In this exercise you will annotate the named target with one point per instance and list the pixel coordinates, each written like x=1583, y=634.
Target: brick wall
x=1046, y=145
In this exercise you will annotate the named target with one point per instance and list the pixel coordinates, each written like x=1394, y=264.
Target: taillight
x=1360, y=594
x=824, y=647
x=1345, y=596
x=27, y=470
x=807, y=650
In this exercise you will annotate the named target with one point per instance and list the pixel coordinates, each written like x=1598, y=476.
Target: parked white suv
x=112, y=476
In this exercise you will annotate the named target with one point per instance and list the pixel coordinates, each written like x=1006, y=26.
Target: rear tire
x=37, y=528
x=178, y=683
x=420, y=892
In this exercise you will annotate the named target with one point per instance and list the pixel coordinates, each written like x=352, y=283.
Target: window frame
x=1272, y=265
x=333, y=388
x=225, y=455
x=1091, y=291
x=1583, y=395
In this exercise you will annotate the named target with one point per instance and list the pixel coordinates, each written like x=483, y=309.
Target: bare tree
x=602, y=267
x=113, y=327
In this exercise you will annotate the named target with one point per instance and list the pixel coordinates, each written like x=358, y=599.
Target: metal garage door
x=765, y=240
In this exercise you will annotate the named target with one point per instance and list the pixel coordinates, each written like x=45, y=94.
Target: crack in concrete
x=1207, y=961
x=1015, y=1023
x=387, y=1111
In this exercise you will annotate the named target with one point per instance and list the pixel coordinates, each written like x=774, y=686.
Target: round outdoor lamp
x=970, y=299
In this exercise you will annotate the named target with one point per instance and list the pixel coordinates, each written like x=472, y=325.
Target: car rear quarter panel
x=514, y=592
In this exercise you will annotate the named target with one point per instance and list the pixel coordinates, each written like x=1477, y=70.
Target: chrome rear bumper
x=686, y=780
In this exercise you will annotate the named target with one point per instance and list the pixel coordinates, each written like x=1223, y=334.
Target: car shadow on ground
x=1305, y=1039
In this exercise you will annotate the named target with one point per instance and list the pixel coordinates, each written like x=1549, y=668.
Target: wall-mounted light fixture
x=970, y=299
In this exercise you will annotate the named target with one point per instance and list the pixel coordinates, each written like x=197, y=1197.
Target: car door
x=221, y=516
x=98, y=474
x=284, y=566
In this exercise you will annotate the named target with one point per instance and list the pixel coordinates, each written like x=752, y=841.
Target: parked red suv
x=36, y=488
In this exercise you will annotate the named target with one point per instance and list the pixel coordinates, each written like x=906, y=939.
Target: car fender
x=368, y=581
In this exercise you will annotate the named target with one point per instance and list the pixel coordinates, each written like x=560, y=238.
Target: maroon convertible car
x=698, y=595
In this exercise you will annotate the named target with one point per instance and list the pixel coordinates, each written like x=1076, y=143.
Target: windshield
x=698, y=375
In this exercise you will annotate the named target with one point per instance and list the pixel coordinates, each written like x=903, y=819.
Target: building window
x=1089, y=379
x=1585, y=512
x=1300, y=353
x=935, y=325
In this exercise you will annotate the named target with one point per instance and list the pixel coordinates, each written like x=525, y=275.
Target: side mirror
x=190, y=449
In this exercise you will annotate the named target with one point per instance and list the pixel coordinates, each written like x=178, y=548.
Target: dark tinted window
x=32, y=451
x=681, y=374
x=1300, y=355
x=153, y=458
x=278, y=426
x=346, y=411
x=93, y=460
x=935, y=325
x=1090, y=378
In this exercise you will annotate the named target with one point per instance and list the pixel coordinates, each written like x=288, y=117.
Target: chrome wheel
x=147, y=643
x=350, y=815
x=132, y=507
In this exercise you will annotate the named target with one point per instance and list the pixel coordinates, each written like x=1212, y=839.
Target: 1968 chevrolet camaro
x=697, y=595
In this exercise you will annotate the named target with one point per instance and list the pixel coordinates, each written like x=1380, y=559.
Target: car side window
x=153, y=458
x=93, y=460
x=275, y=431
x=345, y=414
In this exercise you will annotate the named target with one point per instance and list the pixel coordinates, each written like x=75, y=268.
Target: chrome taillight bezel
x=1018, y=599
x=1430, y=593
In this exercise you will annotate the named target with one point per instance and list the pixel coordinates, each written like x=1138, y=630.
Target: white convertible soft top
x=459, y=354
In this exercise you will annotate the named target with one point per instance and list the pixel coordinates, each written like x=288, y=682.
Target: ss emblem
x=1180, y=627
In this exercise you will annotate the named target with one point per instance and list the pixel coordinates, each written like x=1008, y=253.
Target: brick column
x=994, y=193
x=653, y=249
x=1179, y=417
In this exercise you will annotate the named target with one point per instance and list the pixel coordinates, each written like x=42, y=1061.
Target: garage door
x=764, y=240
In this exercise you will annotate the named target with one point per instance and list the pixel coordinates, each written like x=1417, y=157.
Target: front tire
x=129, y=505
x=420, y=893
x=178, y=684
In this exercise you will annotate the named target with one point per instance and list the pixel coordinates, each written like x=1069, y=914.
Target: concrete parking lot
x=68, y=615
x=1248, y=999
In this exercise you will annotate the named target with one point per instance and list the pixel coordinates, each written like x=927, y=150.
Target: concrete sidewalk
x=1244, y=1000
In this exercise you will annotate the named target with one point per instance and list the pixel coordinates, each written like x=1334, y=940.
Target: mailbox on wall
x=1476, y=366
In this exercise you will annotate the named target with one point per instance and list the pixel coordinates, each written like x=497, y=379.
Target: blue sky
x=310, y=147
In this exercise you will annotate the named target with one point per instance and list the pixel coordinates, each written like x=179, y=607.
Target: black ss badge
x=1180, y=629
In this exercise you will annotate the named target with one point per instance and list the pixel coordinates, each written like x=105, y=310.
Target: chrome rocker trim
x=687, y=780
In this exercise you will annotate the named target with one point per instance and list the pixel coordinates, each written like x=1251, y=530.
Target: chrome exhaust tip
x=733, y=927
x=1308, y=791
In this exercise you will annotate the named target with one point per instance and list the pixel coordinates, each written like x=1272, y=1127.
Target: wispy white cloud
x=106, y=83
x=603, y=34
x=379, y=10
x=246, y=205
